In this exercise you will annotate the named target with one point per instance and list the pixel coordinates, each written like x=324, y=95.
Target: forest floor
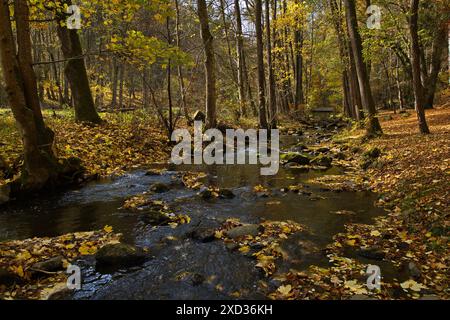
x=125, y=141
x=410, y=171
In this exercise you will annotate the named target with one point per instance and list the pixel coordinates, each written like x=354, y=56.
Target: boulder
x=322, y=161
x=154, y=218
x=153, y=172
x=119, y=255
x=4, y=193
x=373, y=153
x=294, y=157
x=206, y=194
x=159, y=188
x=51, y=265
x=414, y=271
x=8, y=278
x=373, y=253
x=246, y=230
x=203, y=234
x=226, y=194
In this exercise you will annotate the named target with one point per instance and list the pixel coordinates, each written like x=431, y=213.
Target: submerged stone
x=4, y=194
x=119, y=255
x=226, y=194
x=159, y=188
x=246, y=230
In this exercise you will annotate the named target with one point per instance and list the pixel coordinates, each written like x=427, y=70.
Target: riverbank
x=124, y=142
x=410, y=172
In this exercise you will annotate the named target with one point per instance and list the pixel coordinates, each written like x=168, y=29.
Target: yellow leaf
x=375, y=233
x=244, y=249
x=19, y=271
x=351, y=243
x=412, y=285
x=108, y=229
x=24, y=255
x=87, y=250
x=285, y=290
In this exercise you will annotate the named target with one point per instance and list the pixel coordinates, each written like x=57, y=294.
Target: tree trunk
x=227, y=39
x=260, y=65
x=272, y=87
x=373, y=127
x=76, y=73
x=179, y=68
x=39, y=160
x=240, y=58
x=439, y=45
x=401, y=100
x=115, y=76
x=210, y=65
x=415, y=63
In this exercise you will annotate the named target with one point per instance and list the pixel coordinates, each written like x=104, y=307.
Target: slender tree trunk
x=260, y=65
x=210, y=64
x=169, y=81
x=373, y=125
x=227, y=39
x=415, y=63
x=115, y=76
x=121, y=87
x=240, y=59
x=179, y=67
x=272, y=87
x=401, y=100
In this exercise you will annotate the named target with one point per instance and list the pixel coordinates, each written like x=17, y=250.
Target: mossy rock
x=294, y=157
x=159, y=188
x=323, y=161
x=372, y=153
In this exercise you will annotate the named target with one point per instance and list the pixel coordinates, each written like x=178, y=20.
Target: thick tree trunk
x=24, y=48
x=439, y=45
x=260, y=65
x=373, y=127
x=39, y=160
x=76, y=73
x=210, y=64
x=415, y=63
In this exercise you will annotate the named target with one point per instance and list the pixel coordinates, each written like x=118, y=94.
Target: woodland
x=91, y=93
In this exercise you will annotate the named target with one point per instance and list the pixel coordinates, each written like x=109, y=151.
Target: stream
x=181, y=267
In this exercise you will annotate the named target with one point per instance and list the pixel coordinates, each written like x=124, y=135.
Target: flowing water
x=180, y=267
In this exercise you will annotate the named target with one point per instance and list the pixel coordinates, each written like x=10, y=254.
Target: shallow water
x=178, y=262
